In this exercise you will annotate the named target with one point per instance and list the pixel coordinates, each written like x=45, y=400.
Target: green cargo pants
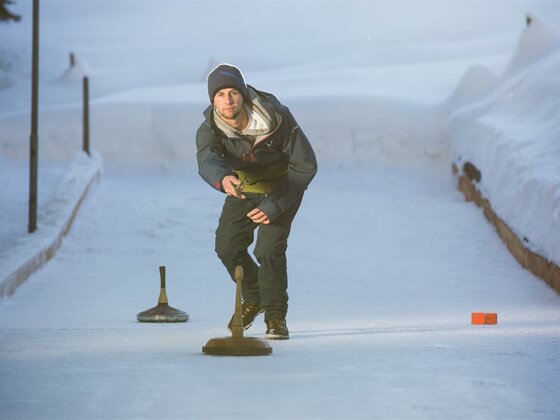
x=267, y=282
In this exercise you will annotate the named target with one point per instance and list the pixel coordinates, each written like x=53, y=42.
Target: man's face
x=229, y=103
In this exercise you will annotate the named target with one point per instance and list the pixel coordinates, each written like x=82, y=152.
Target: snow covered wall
x=26, y=254
x=510, y=131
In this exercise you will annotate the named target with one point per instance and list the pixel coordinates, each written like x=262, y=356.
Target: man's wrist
x=224, y=177
x=270, y=208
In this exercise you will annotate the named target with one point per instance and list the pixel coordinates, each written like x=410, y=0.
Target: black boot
x=249, y=311
x=276, y=329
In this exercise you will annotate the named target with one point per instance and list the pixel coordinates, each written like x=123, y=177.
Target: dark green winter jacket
x=286, y=151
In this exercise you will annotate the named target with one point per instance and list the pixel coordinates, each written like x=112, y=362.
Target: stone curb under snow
x=54, y=221
x=536, y=264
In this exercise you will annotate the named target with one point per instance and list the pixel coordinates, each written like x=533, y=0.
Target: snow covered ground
x=379, y=318
x=386, y=259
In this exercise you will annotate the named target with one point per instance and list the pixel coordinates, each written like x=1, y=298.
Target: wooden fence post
x=34, y=138
x=85, y=145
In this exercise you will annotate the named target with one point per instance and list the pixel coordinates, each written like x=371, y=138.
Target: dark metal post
x=86, y=117
x=33, y=138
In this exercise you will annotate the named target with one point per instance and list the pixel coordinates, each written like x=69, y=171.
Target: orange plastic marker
x=484, y=318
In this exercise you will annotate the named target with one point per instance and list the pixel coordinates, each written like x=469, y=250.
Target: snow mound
x=477, y=82
x=77, y=70
x=511, y=136
x=538, y=39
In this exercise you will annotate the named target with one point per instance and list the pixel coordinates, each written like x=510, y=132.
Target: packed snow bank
x=538, y=39
x=14, y=195
x=151, y=127
x=475, y=84
x=30, y=252
x=511, y=135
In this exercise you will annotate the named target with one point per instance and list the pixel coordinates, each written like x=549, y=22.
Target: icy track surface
x=380, y=321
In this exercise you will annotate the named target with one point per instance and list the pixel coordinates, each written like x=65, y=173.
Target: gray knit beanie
x=226, y=76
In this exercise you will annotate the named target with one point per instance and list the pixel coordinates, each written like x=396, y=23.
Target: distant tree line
x=5, y=14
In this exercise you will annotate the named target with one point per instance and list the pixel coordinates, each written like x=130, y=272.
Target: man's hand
x=232, y=186
x=258, y=216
